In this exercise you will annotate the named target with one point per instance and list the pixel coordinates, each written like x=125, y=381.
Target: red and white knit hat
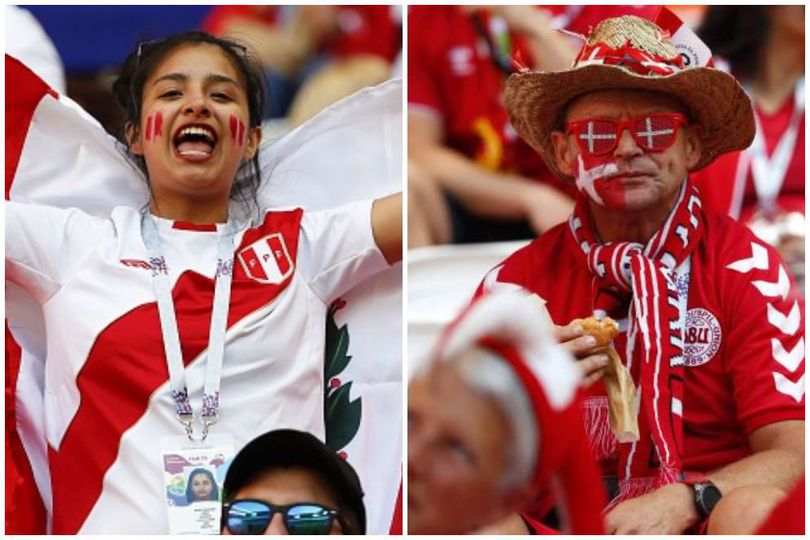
x=515, y=327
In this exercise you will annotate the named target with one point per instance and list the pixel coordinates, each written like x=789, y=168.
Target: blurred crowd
x=312, y=55
x=472, y=179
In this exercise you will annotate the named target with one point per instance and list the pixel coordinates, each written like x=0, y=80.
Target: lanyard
x=171, y=336
x=769, y=173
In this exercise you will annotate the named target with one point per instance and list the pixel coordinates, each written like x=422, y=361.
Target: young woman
x=201, y=486
x=182, y=298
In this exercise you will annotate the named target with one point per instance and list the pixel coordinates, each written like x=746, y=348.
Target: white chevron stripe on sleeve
x=789, y=360
x=757, y=261
x=780, y=287
x=787, y=324
x=788, y=387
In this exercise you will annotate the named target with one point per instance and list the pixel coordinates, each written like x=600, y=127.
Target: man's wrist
x=685, y=503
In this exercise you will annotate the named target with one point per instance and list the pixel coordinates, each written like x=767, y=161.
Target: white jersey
x=92, y=417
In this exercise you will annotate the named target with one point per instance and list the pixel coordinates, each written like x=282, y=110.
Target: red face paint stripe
x=241, y=132
x=158, y=124
x=234, y=128
x=149, y=128
x=109, y=407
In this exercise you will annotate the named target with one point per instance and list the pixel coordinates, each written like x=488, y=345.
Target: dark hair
x=138, y=67
x=191, y=497
x=737, y=33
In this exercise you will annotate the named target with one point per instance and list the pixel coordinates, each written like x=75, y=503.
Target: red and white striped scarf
x=642, y=280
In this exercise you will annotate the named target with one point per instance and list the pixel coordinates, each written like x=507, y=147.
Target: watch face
x=707, y=496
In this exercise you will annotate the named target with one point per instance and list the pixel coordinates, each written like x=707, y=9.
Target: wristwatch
x=706, y=496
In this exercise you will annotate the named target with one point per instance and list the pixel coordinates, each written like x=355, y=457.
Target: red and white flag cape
x=57, y=154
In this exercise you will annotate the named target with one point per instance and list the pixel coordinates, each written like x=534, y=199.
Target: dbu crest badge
x=702, y=337
x=267, y=260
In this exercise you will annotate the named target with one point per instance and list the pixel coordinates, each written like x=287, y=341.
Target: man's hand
x=591, y=365
x=667, y=510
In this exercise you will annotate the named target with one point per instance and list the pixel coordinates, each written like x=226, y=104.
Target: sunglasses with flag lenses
x=252, y=516
x=654, y=132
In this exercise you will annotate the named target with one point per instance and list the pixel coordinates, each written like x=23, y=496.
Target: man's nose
x=627, y=147
x=276, y=525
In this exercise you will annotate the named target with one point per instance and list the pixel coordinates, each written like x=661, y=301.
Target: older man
x=491, y=419
x=713, y=344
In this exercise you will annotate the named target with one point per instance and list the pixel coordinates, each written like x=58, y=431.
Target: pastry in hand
x=604, y=330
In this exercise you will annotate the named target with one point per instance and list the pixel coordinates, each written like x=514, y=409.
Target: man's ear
x=694, y=146
x=565, y=153
x=254, y=138
x=133, y=135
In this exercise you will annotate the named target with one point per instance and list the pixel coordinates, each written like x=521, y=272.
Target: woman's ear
x=133, y=135
x=254, y=138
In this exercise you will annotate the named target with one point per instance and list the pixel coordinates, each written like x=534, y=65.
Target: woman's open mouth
x=195, y=142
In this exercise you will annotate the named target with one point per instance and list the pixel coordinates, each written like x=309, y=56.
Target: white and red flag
x=694, y=52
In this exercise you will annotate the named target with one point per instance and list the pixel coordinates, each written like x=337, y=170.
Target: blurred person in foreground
x=290, y=482
x=492, y=418
x=764, y=186
x=711, y=344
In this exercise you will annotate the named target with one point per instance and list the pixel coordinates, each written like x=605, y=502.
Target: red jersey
x=452, y=74
x=744, y=335
x=372, y=30
x=719, y=182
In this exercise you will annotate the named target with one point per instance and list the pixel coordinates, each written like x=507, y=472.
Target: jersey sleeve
x=45, y=245
x=337, y=249
x=766, y=341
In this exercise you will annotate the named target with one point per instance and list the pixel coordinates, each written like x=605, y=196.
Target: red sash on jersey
x=644, y=277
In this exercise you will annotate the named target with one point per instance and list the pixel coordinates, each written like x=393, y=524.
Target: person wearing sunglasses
x=289, y=482
x=708, y=333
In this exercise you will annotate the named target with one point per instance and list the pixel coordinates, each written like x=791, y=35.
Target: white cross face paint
x=586, y=177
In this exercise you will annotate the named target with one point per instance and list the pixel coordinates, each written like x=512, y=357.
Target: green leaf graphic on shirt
x=342, y=417
x=341, y=414
x=337, y=346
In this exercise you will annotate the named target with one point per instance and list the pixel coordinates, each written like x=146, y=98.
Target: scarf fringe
x=602, y=441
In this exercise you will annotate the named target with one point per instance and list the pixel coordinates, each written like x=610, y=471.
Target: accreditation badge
x=193, y=476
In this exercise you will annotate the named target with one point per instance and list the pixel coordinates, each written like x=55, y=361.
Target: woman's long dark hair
x=140, y=64
x=190, y=497
x=737, y=33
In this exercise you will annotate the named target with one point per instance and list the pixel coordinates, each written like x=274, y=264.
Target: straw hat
x=631, y=53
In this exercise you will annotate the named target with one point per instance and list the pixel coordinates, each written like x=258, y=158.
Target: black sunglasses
x=252, y=516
